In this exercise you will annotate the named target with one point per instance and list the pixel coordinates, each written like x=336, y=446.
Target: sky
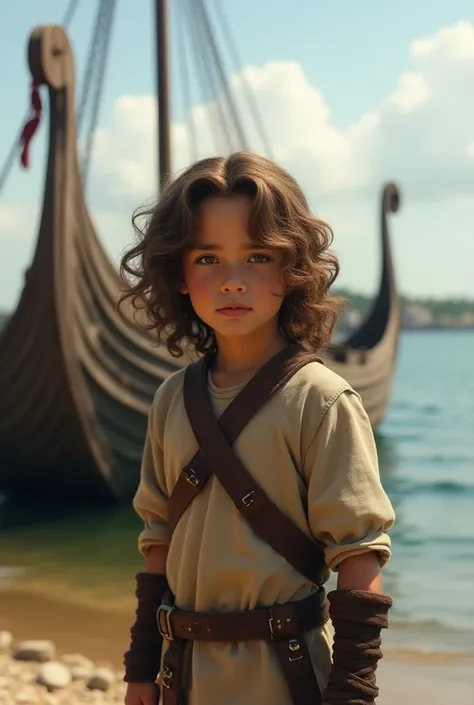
x=352, y=95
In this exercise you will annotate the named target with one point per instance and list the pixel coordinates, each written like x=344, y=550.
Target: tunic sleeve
x=151, y=499
x=348, y=509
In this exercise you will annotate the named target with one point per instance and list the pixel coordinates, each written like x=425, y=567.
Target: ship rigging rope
x=226, y=127
x=204, y=67
x=229, y=40
x=99, y=54
x=15, y=148
x=211, y=41
x=210, y=73
x=70, y=12
x=91, y=64
x=184, y=70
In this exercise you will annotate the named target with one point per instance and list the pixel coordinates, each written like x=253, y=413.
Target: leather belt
x=276, y=622
x=281, y=625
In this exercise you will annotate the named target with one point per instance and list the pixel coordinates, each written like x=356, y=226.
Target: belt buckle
x=164, y=621
x=270, y=626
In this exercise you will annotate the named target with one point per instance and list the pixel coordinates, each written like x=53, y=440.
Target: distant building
x=416, y=316
x=466, y=320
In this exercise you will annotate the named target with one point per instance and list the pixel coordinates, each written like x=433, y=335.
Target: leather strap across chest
x=268, y=380
x=215, y=456
x=283, y=625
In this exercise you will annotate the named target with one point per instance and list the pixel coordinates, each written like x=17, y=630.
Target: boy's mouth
x=234, y=309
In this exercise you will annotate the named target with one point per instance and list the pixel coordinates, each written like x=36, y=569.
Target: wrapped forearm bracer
x=358, y=616
x=142, y=660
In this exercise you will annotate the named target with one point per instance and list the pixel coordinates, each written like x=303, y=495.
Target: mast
x=163, y=95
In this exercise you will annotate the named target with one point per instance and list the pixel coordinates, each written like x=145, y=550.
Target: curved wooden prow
x=48, y=439
x=367, y=358
x=76, y=380
x=385, y=305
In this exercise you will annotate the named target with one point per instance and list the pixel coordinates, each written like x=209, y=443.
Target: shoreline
x=102, y=636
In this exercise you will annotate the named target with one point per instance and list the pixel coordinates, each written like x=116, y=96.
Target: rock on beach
x=33, y=673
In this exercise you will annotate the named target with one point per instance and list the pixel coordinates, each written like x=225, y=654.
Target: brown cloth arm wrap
x=142, y=660
x=358, y=616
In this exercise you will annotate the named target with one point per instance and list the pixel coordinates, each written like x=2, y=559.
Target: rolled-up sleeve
x=348, y=509
x=151, y=500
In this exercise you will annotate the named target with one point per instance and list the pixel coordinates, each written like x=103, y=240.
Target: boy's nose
x=233, y=286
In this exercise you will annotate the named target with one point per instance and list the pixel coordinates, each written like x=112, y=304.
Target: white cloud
x=15, y=220
x=8, y=220
x=422, y=134
x=412, y=92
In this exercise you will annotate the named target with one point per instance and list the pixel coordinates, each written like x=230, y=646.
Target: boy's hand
x=142, y=694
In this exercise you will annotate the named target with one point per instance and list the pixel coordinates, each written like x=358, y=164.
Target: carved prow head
x=390, y=198
x=50, y=57
x=391, y=201
x=385, y=304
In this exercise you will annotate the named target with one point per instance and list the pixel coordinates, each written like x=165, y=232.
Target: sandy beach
x=101, y=636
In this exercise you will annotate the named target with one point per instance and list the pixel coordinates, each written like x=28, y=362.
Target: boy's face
x=235, y=286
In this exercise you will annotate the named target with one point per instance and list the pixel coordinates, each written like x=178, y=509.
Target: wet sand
x=102, y=636
x=413, y=683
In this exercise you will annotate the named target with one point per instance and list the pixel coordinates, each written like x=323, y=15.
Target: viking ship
x=76, y=379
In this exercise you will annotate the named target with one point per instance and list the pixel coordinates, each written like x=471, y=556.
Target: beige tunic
x=312, y=450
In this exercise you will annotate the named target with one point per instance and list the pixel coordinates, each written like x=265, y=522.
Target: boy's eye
x=206, y=259
x=259, y=258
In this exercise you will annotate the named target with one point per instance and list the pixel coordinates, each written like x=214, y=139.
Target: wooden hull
x=76, y=381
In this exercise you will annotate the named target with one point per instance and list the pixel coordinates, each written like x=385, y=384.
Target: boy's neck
x=239, y=358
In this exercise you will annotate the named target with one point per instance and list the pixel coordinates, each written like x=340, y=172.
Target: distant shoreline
x=345, y=331
x=408, y=329
x=416, y=313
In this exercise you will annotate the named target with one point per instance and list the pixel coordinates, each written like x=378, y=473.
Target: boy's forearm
x=359, y=611
x=156, y=560
x=361, y=572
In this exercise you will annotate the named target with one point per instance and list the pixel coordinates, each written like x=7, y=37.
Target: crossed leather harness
x=283, y=624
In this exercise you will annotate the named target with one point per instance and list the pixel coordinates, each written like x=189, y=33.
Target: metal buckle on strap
x=166, y=677
x=275, y=630
x=164, y=621
x=270, y=625
x=248, y=499
x=191, y=477
x=295, y=650
x=283, y=622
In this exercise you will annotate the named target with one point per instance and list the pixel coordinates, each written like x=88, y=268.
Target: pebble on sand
x=101, y=679
x=32, y=674
x=39, y=651
x=54, y=675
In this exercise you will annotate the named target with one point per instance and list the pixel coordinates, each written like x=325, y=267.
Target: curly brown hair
x=280, y=217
